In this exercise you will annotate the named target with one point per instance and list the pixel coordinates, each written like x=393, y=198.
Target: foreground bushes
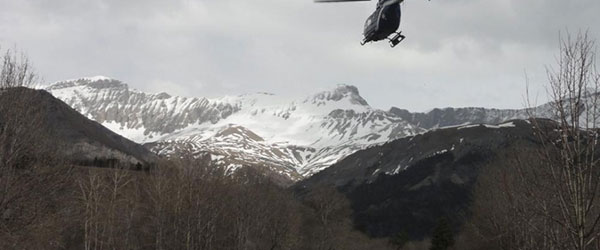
x=177, y=205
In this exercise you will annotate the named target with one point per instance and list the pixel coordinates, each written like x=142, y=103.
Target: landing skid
x=396, y=39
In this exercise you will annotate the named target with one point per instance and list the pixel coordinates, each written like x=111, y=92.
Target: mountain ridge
x=82, y=141
x=417, y=179
x=299, y=137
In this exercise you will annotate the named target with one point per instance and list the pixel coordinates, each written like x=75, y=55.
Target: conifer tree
x=399, y=240
x=442, y=238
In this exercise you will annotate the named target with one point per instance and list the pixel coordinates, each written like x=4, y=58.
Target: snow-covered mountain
x=290, y=138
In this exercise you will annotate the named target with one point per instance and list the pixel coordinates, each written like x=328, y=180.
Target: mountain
x=81, y=140
x=409, y=183
x=439, y=118
x=287, y=139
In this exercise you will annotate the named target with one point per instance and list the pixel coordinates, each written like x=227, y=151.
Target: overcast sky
x=458, y=52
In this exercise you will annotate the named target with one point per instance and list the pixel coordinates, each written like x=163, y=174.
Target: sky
x=458, y=53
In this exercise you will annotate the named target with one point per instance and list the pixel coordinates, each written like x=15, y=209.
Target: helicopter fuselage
x=383, y=22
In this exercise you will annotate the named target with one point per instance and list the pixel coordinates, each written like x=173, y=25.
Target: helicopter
x=383, y=23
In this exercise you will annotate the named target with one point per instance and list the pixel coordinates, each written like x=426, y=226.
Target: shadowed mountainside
x=82, y=141
x=409, y=183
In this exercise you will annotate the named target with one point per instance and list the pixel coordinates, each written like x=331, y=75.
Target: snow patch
x=97, y=78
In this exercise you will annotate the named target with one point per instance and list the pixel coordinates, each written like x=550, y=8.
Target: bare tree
x=31, y=173
x=91, y=190
x=505, y=213
x=16, y=71
x=569, y=153
x=332, y=210
x=548, y=195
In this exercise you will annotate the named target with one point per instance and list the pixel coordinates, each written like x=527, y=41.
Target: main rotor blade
x=334, y=1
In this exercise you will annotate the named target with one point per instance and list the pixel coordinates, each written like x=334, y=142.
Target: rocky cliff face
x=438, y=118
x=135, y=114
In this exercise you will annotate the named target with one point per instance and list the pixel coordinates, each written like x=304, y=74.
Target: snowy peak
x=95, y=82
x=342, y=92
x=98, y=78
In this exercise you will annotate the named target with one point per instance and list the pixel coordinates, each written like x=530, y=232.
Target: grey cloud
x=458, y=52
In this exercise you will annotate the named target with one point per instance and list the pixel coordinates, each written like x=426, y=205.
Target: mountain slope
x=83, y=140
x=407, y=184
x=438, y=118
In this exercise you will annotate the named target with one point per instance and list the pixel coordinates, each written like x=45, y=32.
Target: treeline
x=177, y=205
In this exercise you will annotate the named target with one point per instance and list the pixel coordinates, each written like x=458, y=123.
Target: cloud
x=458, y=52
